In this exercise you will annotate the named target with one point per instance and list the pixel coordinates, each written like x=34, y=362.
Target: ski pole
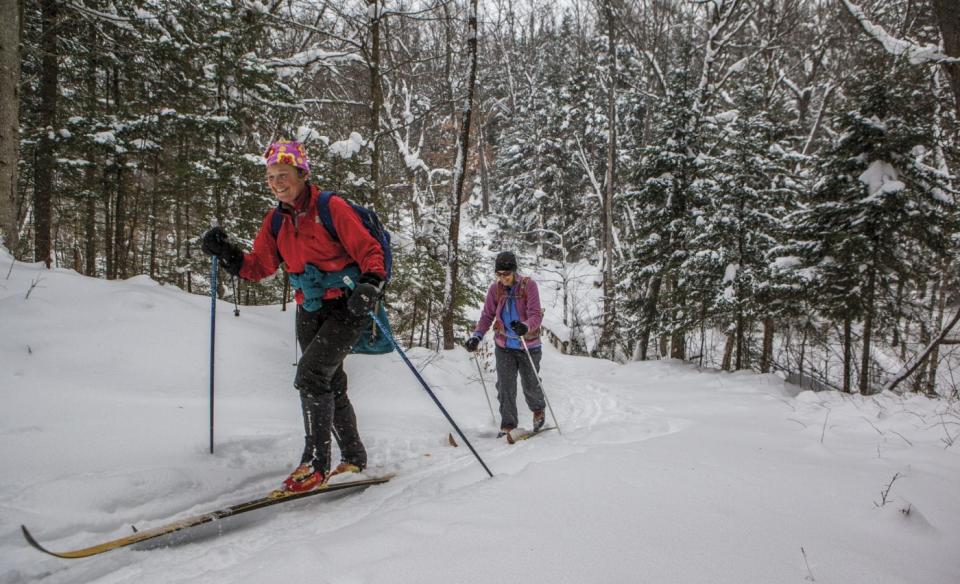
x=485, y=393
x=213, y=329
x=540, y=383
x=349, y=282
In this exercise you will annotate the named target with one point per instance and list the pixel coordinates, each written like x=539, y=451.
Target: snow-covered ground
x=662, y=473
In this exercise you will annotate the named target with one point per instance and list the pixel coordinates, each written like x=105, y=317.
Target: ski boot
x=304, y=478
x=538, y=420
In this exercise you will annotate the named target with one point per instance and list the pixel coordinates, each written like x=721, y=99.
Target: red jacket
x=303, y=240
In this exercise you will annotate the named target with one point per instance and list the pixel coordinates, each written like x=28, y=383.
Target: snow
x=662, y=472
x=880, y=179
x=786, y=262
x=730, y=273
x=916, y=54
x=347, y=148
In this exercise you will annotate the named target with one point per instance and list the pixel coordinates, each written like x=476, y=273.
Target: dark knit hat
x=506, y=260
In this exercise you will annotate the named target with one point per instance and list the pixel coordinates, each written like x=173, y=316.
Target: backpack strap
x=522, y=292
x=323, y=210
x=276, y=222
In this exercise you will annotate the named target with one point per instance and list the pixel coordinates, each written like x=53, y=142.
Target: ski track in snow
x=660, y=472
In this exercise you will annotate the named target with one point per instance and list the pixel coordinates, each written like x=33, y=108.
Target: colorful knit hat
x=287, y=152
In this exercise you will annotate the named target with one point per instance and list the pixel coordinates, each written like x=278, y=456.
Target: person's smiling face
x=285, y=182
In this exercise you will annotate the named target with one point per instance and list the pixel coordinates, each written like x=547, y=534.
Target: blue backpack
x=367, y=216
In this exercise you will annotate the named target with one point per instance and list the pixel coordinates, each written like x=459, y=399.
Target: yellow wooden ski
x=269, y=500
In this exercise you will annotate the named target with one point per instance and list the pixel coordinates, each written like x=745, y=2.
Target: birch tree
x=459, y=176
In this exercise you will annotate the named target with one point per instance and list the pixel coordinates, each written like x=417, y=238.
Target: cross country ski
x=260, y=503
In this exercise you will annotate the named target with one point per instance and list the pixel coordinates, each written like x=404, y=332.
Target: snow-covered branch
x=916, y=54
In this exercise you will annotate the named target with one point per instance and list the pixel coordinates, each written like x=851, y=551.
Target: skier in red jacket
x=330, y=317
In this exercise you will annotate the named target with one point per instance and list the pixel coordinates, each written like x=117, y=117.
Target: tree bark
x=459, y=176
x=92, y=171
x=9, y=124
x=870, y=295
x=482, y=156
x=376, y=97
x=609, y=307
x=921, y=357
x=847, y=354
x=934, y=361
x=948, y=18
x=649, y=312
x=49, y=79
x=740, y=340
x=766, y=357
x=728, y=351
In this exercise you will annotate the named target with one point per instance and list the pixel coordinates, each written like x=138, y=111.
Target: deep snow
x=662, y=472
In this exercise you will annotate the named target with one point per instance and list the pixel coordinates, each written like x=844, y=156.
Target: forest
x=756, y=184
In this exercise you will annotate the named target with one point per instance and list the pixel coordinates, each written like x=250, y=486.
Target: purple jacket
x=527, y=304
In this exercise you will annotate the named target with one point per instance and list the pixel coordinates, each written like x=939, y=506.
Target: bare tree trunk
x=847, y=354
x=49, y=79
x=92, y=171
x=870, y=294
x=607, y=337
x=9, y=123
x=649, y=311
x=766, y=357
x=922, y=363
x=376, y=97
x=803, y=350
x=728, y=351
x=898, y=314
x=934, y=361
x=119, y=221
x=740, y=343
x=482, y=155
x=459, y=176
x=948, y=18
x=153, y=218
x=921, y=357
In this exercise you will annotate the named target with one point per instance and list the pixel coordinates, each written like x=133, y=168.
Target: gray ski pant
x=509, y=363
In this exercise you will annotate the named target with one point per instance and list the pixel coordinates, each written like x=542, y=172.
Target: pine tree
x=878, y=214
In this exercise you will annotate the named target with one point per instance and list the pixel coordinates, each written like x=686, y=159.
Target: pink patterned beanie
x=287, y=152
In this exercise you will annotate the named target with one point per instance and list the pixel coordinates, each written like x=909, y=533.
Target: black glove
x=519, y=328
x=216, y=242
x=364, y=297
x=472, y=343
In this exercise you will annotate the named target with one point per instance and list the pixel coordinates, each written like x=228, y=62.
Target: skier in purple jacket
x=513, y=308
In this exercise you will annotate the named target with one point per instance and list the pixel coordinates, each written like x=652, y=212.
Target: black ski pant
x=326, y=337
x=509, y=363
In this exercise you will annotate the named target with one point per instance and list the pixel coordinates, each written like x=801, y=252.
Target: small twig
x=901, y=436
x=797, y=421
x=824, y=430
x=871, y=425
x=10, y=271
x=949, y=439
x=884, y=494
x=906, y=411
x=32, y=286
x=809, y=577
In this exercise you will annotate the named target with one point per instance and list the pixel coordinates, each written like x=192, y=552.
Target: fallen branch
x=920, y=357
